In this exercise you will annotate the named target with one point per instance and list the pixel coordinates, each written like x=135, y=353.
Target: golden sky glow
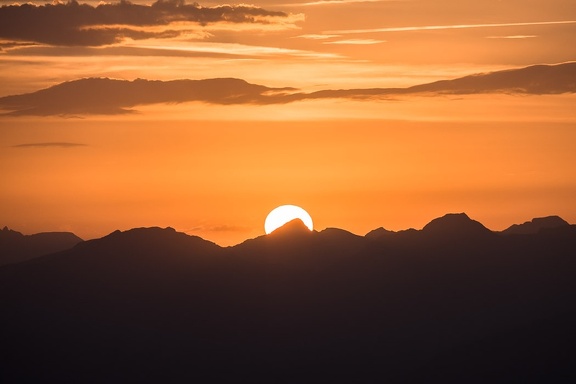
x=216, y=170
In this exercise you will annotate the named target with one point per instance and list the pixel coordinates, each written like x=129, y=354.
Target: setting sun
x=285, y=213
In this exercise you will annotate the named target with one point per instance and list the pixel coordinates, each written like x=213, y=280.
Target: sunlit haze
x=305, y=124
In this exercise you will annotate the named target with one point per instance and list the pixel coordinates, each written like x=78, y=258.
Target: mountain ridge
x=16, y=247
x=535, y=225
x=448, y=228
x=296, y=306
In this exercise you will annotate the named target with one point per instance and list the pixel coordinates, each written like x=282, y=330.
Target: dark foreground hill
x=452, y=303
x=16, y=247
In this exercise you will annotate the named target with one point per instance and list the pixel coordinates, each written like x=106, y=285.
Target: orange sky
x=216, y=171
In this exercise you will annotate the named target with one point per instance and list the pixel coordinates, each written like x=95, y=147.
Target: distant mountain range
x=109, y=96
x=451, y=303
x=16, y=247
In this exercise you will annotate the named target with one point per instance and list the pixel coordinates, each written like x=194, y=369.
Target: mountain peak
x=535, y=225
x=292, y=227
x=7, y=233
x=377, y=233
x=455, y=224
x=150, y=237
x=16, y=247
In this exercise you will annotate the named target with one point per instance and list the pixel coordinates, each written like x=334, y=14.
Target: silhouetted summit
x=535, y=225
x=455, y=226
x=16, y=247
x=378, y=232
x=152, y=237
x=145, y=248
x=291, y=228
x=296, y=243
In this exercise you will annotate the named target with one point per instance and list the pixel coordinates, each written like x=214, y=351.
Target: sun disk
x=285, y=213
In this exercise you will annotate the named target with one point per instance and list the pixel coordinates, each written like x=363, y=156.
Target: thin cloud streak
x=335, y=2
x=444, y=27
x=49, y=145
x=234, y=49
x=315, y=37
x=512, y=37
x=356, y=42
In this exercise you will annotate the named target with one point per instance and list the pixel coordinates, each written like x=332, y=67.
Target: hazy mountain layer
x=16, y=247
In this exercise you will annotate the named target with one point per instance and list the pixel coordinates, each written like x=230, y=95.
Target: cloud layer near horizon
x=74, y=24
x=107, y=96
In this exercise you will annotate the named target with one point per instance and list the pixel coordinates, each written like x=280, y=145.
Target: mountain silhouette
x=154, y=305
x=291, y=228
x=109, y=96
x=456, y=227
x=378, y=232
x=16, y=247
x=535, y=225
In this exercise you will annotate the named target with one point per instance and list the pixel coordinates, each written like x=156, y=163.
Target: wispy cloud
x=333, y=2
x=443, y=27
x=315, y=37
x=49, y=145
x=344, y=42
x=230, y=49
x=512, y=37
x=9, y=45
x=356, y=42
x=72, y=24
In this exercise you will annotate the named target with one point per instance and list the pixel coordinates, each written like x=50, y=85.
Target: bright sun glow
x=283, y=214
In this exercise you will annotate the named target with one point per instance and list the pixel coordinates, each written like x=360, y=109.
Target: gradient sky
x=217, y=170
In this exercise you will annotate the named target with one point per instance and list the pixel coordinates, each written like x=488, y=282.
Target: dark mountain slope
x=535, y=225
x=378, y=232
x=16, y=247
x=153, y=305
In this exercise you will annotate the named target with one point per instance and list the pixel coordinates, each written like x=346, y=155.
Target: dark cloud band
x=108, y=96
x=75, y=24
